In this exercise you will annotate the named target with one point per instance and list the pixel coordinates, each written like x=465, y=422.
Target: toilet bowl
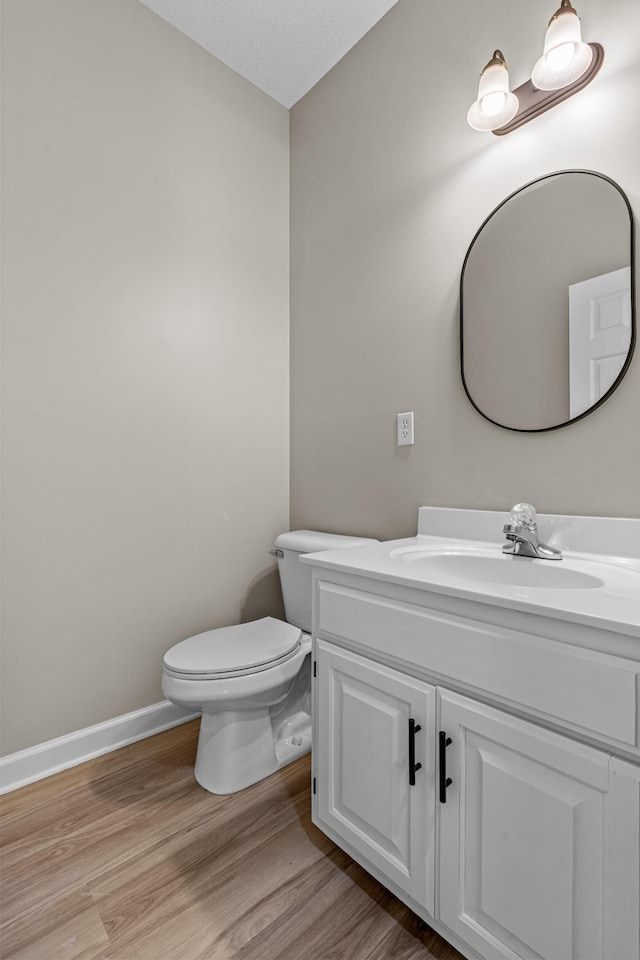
x=241, y=691
x=252, y=681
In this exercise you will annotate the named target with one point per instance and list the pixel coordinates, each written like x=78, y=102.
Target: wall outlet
x=405, y=429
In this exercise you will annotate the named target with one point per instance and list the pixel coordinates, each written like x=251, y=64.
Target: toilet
x=252, y=681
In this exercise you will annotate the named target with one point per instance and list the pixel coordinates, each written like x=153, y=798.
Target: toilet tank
x=295, y=577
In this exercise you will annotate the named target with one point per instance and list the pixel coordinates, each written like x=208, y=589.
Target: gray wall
x=145, y=301
x=389, y=185
x=145, y=309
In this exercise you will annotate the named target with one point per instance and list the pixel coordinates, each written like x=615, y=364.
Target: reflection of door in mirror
x=599, y=336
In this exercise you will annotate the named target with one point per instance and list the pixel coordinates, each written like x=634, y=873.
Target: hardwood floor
x=127, y=858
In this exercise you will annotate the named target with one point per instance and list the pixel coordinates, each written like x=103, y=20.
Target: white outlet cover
x=405, y=429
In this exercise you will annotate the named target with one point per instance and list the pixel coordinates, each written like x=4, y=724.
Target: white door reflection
x=599, y=336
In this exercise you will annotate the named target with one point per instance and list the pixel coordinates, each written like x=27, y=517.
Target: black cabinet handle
x=443, y=743
x=413, y=766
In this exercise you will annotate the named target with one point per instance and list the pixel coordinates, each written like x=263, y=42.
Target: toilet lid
x=229, y=650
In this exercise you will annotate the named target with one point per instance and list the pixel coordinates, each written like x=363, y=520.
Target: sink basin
x=483, y=564
x=501, y=569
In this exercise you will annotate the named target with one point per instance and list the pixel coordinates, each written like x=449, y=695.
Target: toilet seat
x=233, y=651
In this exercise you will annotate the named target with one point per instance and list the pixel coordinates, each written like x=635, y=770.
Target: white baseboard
x=45, y=759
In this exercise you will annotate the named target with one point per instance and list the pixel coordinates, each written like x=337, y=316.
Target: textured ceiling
x=282, y=46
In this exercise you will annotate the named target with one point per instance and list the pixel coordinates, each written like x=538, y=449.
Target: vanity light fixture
x=565, y=67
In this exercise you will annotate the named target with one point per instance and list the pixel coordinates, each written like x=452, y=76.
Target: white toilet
x=252, y=681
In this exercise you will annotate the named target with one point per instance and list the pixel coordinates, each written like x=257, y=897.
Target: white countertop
x=614, y=604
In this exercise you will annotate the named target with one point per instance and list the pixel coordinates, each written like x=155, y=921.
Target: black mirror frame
x=632, y=343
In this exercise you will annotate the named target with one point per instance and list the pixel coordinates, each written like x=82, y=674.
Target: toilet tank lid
x=311, y=541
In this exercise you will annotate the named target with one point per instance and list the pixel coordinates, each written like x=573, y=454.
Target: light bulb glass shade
x=495, y=105
x=483, y=116
x=565, y=56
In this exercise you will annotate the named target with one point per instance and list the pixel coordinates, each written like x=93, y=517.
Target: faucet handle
x=524, y=515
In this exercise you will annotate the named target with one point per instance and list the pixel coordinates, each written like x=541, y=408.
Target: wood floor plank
x=408, y=939
x=348, y=917
x=222, y=870
x=175, y=748
x=49, y=867
x=36, y=810
x=127, y=858
x=336, y=921
x=67, y=929
x=102, y=822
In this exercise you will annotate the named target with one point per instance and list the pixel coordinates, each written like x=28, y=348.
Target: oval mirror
x=547, y=324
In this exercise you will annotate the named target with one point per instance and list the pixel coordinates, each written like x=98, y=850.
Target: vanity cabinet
x=532, y=850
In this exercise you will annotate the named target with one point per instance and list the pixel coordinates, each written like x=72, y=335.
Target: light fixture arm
x=497, y=60
x=565, y=7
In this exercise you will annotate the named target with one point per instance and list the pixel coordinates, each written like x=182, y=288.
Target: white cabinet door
x=622, y=884
x=527, y=832
x=362, y=759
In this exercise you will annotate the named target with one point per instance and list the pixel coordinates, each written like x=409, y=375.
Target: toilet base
x=237, y=748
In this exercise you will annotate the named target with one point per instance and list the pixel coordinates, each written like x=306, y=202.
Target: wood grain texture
x=127, y=858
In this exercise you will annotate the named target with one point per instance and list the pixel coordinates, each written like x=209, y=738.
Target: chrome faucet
x=522, y=534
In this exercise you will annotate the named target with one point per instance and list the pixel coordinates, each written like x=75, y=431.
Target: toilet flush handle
x=277, y=553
